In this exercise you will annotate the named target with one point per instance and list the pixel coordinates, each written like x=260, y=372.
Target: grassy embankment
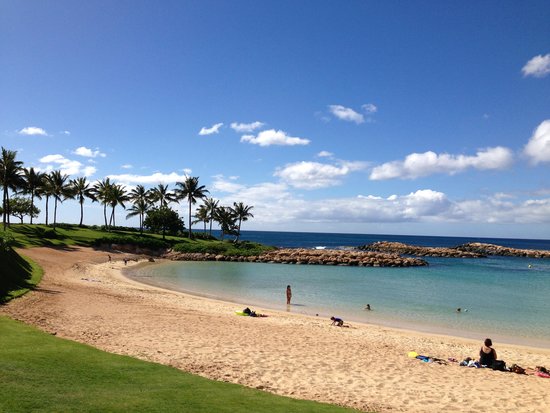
x=40, y=372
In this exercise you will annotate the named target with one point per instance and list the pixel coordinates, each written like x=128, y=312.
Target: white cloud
x=32, y=130
x=369, y=108
x=66, y=132
x=209, y=131
x=246, y=127
x=346, y=114
x=127, y=166
x=538, y=147
x=273, y=137
x=325, y=154
x=418, y=165
x=152, y=179
x=88, y=153
x=66, y=166
x=314, y=175
x=538, y=66
x=89, y=170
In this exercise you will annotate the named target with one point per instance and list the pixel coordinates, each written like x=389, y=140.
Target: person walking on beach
x=288, y=294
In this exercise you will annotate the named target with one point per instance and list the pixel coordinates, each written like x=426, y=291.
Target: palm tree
x=162, y=195
x=225, y=216
x=33, y=185
x=81, y=189
x=10, y=178
x=211, y=205
x=140, y=204
x=191, y=190
x=242, y=213
x=139, y=208
x=202, y=215
x=61, y=190
x=117, y=196
x=102, y=192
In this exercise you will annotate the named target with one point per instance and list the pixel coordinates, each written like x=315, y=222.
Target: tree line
x=152, y=206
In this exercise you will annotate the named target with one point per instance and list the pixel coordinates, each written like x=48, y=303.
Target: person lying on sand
x=338, y=322
x=252, y=313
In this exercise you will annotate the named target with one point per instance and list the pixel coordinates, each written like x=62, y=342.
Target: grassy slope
x=17, y=275
x=40, y=372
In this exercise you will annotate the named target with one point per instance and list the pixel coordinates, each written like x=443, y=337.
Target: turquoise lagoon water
x=504, y=298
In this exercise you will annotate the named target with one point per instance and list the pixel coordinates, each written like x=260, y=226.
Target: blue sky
x=427, y=117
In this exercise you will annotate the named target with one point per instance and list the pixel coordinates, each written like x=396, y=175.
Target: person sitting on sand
x=487, y=354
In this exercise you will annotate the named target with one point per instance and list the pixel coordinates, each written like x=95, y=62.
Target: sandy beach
x=85, y=298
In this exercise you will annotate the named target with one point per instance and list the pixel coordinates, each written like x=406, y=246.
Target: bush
x=228, y=248
x=151, y=243
x=6, y=241
x=200, y=247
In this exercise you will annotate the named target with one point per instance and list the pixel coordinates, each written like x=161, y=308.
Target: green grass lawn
x=40, y=372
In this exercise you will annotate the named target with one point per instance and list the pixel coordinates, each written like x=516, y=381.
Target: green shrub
x=151, y=243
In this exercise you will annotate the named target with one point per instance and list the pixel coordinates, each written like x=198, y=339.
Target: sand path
x=85, y=298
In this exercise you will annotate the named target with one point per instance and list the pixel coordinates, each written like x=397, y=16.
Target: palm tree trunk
x=32, y=204
x=47, y=213
x=4, y=210
x=7, y=208
x=55, y=213
x=238, y=231
x=81, y=211
x=105, y=216
x=211, y=219
x=190, y=234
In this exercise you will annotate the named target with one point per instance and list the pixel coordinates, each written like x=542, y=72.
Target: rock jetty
x=310, y=257
x=400, y=248
x=492, y=249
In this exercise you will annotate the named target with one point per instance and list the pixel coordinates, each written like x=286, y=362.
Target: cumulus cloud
x=274, y=137
x=32, y=130
x=346, y=114
x=152, y=179
x=369, y=108
x=276, y=205
x=246, y=127
x=209, y=131
x=538, y=66
x=126, y=166
x=314, y=175
x=66, y=166
x=418, y=165
x=538, y=147
x=325, y=154
x=88, y=153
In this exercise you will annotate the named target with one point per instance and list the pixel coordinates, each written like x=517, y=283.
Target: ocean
x=505, y=298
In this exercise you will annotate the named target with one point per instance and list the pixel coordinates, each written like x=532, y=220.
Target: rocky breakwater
x=400, y=248
x=310, y=257
x=492, y=249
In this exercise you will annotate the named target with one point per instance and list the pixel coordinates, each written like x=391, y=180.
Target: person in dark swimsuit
x=337, y=321
x=288, y=294
x=487, y=354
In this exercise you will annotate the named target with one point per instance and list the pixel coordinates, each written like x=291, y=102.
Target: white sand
x=85, y=298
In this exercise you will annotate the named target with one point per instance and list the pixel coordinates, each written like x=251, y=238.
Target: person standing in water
x=288, y=294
